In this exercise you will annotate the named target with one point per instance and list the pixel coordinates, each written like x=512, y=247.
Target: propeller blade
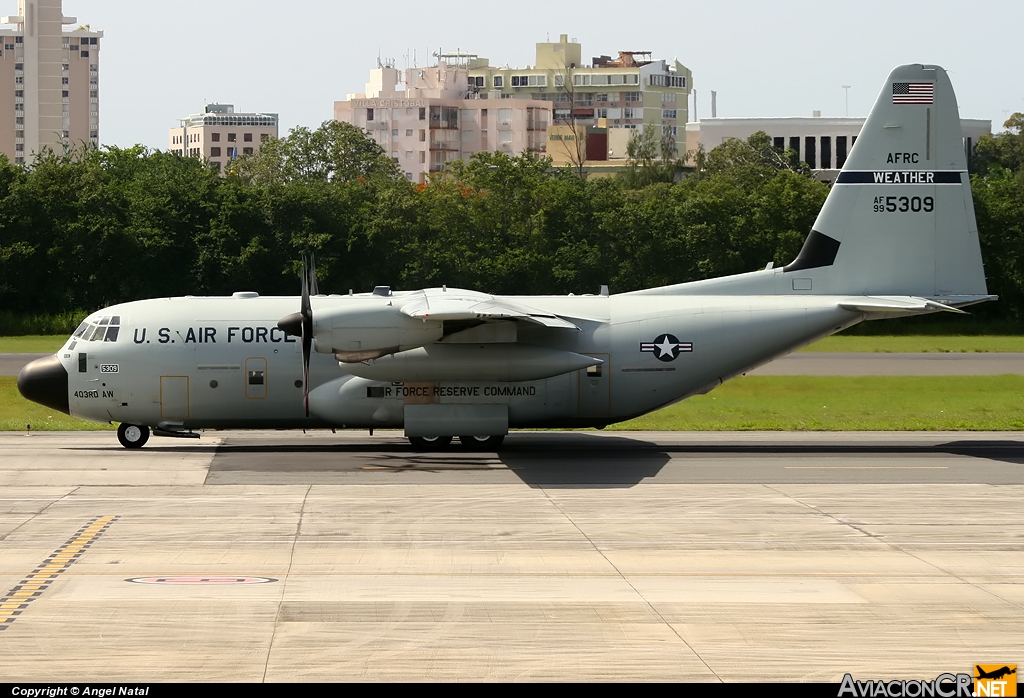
x=307, y=327
x=313, y=291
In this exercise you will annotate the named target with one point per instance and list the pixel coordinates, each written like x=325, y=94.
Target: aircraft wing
x=462, y=305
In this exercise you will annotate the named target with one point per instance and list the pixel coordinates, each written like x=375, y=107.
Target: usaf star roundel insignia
x=666, y=347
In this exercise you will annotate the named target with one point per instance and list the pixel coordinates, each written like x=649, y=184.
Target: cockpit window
x=105, y=329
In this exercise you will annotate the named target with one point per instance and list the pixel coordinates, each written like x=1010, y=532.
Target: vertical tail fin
x=900, y=219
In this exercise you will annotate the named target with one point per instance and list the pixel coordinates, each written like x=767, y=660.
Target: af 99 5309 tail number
x=904, y=204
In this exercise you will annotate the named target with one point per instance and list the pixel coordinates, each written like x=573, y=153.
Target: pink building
x=435, y=117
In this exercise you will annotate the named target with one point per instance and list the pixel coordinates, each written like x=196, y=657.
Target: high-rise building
x=49, y=82
x=220, y=134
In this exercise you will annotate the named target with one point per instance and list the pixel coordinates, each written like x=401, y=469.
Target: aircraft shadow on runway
x=545, y=459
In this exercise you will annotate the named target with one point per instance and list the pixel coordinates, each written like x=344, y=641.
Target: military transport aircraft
x=896, y=237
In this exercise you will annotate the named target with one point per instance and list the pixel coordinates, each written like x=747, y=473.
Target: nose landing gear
x=132, y=435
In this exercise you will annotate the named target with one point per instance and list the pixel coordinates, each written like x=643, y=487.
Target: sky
x=161, y=60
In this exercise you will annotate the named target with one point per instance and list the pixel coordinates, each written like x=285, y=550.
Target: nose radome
x=45, y=381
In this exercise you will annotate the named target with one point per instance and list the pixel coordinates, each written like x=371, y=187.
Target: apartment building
x=220, y=134
x=49, y=81
x=591, y=100
x=426, y=118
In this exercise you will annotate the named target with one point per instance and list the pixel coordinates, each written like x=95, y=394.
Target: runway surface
x=600, y=556
x=809, y=364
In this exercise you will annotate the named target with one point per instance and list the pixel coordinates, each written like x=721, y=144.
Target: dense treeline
x=87, y=229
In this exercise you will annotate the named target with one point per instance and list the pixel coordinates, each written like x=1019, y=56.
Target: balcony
x=445, y=145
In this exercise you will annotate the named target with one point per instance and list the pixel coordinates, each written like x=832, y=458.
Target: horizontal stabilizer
x=904, y=304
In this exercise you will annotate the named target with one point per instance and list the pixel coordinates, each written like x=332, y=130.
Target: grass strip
x=919, y=343
x=861, y=403
x=32, y=344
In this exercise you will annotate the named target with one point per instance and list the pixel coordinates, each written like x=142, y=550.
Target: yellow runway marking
x=33, y=585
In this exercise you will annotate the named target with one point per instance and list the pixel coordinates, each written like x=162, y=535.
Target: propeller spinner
x=300, y=324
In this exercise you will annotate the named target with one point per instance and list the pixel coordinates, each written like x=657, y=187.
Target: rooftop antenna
x=846, y=88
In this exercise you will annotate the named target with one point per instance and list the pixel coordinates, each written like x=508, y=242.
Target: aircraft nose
x=45, y=381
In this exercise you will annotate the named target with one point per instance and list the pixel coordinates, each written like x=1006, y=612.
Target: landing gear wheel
x=430, y=443
x=482, y=443
x=132, y=435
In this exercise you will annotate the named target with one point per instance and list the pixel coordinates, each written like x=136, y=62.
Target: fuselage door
x=256, y=378
x=174, y=397
x=595, y=388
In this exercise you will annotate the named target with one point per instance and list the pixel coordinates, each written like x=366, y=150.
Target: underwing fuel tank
x=505, y=363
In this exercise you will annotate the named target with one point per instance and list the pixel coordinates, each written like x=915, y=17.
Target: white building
x=220, y=134
x=822, y=142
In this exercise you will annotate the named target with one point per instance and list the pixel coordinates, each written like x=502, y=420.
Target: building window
x=64, y=81
x=85, y=54
x=19, y=66
x=840, y=151
x=264, y=137
x=21, y=81
x=64, y=93
x=499, y=81
x=247, y=138
x=232, y=152
x=633, y=97
x=423, y=156
x=232, y=137
x=601, y=113
x=627, y=113
x=246, y=151
x=476, y=80
x=423, y=113
x=394, y=133
x=18, y=39
x=8, y=47
x=93, y=68
x=810, y=155
x=826, y=152
x=601, y=97
x=369, y=114
x=529, y=81
x=19, y=93
x=423, y=134
x=94, y=93
x=74, y=47
x=408, y=155
x=408, y=132
x=20, y=120
x=215, y=152
x=668, y=113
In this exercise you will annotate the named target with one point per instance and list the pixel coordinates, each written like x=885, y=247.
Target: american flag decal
x=913, y=93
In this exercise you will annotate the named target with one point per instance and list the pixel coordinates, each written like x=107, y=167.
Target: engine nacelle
x=369, y=328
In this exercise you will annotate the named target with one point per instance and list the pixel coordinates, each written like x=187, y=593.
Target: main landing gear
x=471, y=443
x=132, y=435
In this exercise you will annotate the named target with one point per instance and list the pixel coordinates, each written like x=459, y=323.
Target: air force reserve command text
x=101, y=691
